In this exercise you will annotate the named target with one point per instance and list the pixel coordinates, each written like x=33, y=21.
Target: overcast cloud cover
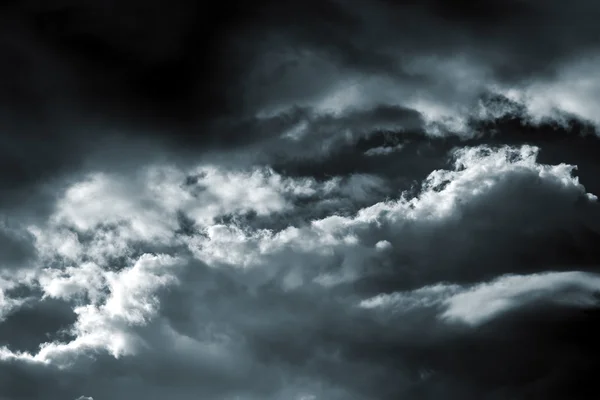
x=300, y=200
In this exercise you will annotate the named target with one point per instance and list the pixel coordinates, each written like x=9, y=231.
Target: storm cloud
x=304, y=200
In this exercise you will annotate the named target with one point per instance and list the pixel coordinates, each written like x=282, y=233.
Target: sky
x=299, y=200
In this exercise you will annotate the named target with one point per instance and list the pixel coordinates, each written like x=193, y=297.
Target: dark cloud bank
x=304, y=200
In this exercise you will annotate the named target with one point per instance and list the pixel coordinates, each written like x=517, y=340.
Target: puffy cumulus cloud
x=90, y=256
x=498, y=202
x=101, y=216
x=245, y=284
x=104, y=218
x=355, y=200
x=272, y=84
x=116, y=303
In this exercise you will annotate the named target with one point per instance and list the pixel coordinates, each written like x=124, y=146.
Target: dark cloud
x=298, y=200
x=33, y=324
x=537, y=351
x=82, y=79
x=90, y=79
x=16, y=248
x=541, y=354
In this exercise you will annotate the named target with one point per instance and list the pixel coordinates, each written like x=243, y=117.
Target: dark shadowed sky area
x=299, y=200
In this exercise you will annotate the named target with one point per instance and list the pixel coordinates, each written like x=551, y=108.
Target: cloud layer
x=321, y=200
x=166, y=264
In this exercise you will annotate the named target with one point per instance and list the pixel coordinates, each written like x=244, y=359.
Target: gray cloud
x=16, y=247
x=231, y=310
x=355, y=200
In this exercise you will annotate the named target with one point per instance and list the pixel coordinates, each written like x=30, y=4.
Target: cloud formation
x=321, y=200
x=260, y=310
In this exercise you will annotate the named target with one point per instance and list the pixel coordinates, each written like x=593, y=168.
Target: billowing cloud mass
x=305, y=200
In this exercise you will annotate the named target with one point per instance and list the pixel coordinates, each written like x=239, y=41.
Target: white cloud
x=118, y=303
x=260, y=190
x=495, y=185
x=131, y=301
x=107, y=216
x=85, y=279
x=100, y=218
x=574, y=90
x=383, y=150
x=448, y=95
x=425, y=297
x=483, y=302
x=477, y=304
x=118, y=308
